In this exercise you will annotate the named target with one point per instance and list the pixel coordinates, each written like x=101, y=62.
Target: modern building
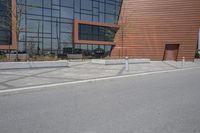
x=159, y=30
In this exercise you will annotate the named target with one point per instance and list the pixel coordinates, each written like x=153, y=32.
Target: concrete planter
x=119, y=61
x=197, y=60
x=3, y=58
x=43, y=58
x=12, y=57
x=36, y=64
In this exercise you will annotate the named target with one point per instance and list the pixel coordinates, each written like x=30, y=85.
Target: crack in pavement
x=171, y=65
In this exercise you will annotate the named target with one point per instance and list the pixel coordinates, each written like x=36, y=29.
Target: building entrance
x=171, y=52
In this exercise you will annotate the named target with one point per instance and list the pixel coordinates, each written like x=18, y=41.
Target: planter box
x=119, y=61
x=43, y=58
x=197, y=60
x=21, y=57
x=36, y=64
x=74, y=56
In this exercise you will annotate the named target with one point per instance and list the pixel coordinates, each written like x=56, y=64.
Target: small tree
x=30, y=47
x=58, y=37
x=123, y=25
x=38, y=43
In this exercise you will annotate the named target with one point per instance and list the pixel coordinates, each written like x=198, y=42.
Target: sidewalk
x=79, y=71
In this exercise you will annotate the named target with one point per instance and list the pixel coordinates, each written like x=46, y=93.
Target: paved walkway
x=79, y=71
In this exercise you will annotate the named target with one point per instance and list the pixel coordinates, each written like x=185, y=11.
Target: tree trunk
x=17, y=53
x=17, y=48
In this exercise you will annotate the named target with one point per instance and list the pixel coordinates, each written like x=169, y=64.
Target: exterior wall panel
x=151, y=24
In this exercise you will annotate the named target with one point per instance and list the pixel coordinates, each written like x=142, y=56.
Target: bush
x=197, y=55
x=2, y=53
x=2, y=56
x=49, y=57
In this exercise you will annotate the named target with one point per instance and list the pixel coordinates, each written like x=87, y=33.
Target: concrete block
x=119, y=61
x=13, y=65
x=36, y=64
x=46, y=64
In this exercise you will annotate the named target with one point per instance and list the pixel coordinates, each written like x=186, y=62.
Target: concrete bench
x=74, y=56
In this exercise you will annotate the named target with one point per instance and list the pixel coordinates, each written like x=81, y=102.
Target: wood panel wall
x=151, y=24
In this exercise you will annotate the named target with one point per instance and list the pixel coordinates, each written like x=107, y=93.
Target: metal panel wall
x=151, y=24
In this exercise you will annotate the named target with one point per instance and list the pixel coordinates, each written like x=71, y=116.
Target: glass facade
x=96, y=33
x=5, y=25
x=48, y=25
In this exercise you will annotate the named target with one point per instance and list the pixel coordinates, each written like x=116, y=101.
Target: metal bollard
x=183, y=62
x=126, y=63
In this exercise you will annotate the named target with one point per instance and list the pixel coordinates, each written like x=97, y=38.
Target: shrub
x=2, y=53
x=49, y=57
x=197, y=55
x=2, y=56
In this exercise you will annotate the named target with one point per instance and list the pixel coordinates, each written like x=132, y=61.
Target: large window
x=5, y=24
x=96, y=33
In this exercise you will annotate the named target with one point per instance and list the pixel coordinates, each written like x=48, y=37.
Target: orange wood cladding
x=151, y=24
x=76, y=37
x=14, y=39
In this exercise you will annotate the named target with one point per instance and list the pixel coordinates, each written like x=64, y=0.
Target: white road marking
x=91, y=80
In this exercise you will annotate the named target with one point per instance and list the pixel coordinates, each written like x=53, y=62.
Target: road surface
x=156, y=103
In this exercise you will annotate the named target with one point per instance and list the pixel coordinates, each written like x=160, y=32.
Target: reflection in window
x=5, y=17
x=35, y=2
x=86, y=17
x=56, y=19
x=47, y=27
x=66, y=37
x=68, y=3
x=66, y=12
x=96, y=33
x=86, y=4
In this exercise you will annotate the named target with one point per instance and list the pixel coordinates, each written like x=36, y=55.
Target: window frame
x=76, y=32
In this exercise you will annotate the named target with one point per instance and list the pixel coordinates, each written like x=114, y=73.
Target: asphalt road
x=158, y=103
